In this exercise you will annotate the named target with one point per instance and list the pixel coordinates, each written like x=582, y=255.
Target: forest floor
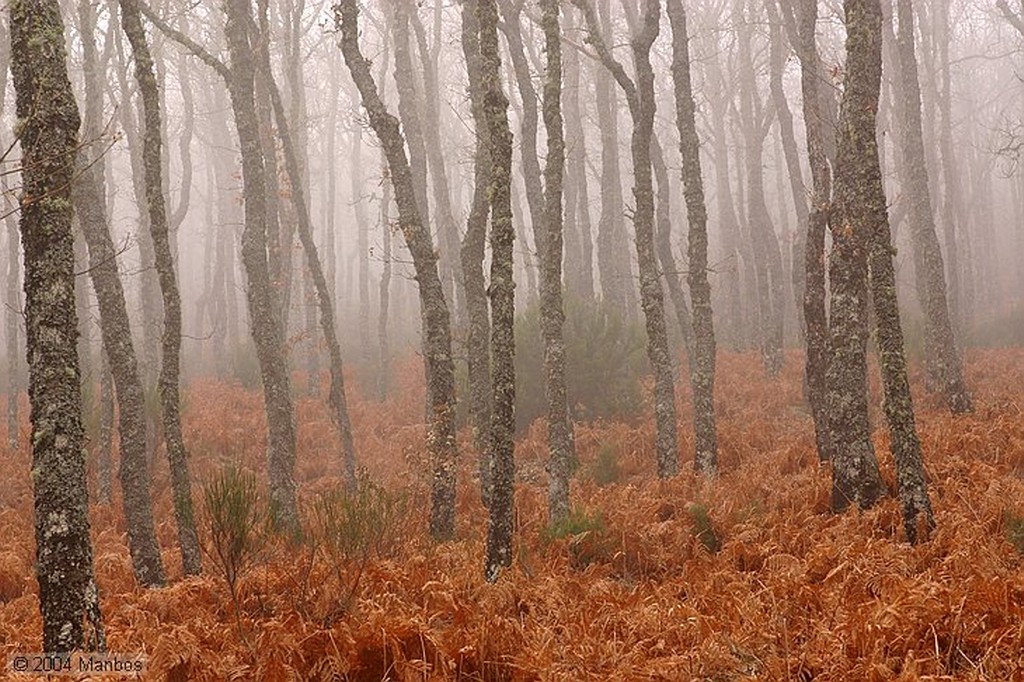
x=748, y=576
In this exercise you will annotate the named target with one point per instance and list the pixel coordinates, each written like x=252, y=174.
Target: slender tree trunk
x=640, y=97
x=941, y=355
x=106, y=433
x=12, y=322
x=816, y=329
x=502, y=296
x=702, y=360
x=579, y=265
x=48, y=127
x=478, y=344
x=670, y=270
x=170, y=397
x=855, y=477
x=436, y=320
x=560, y=441
x=384, y=291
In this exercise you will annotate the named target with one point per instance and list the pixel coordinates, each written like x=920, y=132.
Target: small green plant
x=238, y=525
x=354, y=527
x=606, y=467
x=587, y=537
x=703, y=528
x=1014, y=524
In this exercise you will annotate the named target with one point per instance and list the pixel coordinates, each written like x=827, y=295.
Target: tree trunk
x=170, y=398
x=855, y=477
x=702, y=359
x=502, y=296
x=478, y=344
x=384, y=290
x=436, y=320
x=48, y=122
x=640, y=97
x=579, y=259
x=670, y=270
x=816, y=331
x=560, y=441
x=941, y=355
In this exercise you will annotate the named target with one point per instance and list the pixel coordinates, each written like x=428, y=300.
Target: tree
x=560, y=441
x=702, y=360
x=640, y=98
x=170, y=369
x=855, y=477
x=48, y=123
x=266, y=323
x=115, y=329
x=941, y=355
x=502, y=295
x=433, y=308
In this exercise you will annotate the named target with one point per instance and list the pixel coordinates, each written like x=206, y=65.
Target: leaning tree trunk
x=170, y=397
x=855, y=477
x=702, y=360
x=640, y=97
x=478, y=344
x=941, y=355
x=48, y=122
x=502, y=295
x=436, y=320
x=816, y=331
x=560, y=442
x=336, y=394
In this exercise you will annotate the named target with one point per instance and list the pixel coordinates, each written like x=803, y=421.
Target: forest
x=512, y=339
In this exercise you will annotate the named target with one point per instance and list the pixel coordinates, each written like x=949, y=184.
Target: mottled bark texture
x=640, y=97
x=801, y=21
x=12, y=322
x=502, y=295
x=170, y=368
x=579, y=258
x=560, y=441
x=478, y=343
x=941, y=357
x=857, y=214
x=336, y=393
x=436, y=321
x=48, y=123
x=670, y=270
x=134, y=473
x=702, y=360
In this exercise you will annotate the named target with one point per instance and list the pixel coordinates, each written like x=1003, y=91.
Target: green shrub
x=703, y=528
x=606, y=468
x=355, y=527
x=588, y=540
x=1014, y=524
x=604, y=354
x=238, y=524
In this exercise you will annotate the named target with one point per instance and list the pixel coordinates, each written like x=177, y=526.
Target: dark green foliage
x=587, y=537
x=606, y=468
x=604, y=355
x=1014, y=524
x=703, y=528
x=237, y=523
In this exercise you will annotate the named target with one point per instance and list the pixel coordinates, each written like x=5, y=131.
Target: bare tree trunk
x=560, y=441
x=579, y=259
x=105, y=492
x=855, y=477
x=48, y=127
x=170, y=397
x=502, y=296
x=640, y=97
x=816, y=329
x=384, y=291
x=702, y=359
x=436, y=320
x=941, y=355
x=478, y=344
x=670, y=270
x=12, y=321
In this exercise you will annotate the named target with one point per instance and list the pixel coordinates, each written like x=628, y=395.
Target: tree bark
x=48, y=122
x=560, y=441
x=170, y=397
x=702, y=360
x=640, y=97
x=579, y=259
x=436, y=320
x=855, y=477
x=941, y=355
x=502, y=297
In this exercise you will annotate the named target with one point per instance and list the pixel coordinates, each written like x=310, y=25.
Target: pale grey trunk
x=579, y=258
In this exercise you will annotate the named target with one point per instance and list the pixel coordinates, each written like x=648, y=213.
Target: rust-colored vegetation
x=746, y=577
